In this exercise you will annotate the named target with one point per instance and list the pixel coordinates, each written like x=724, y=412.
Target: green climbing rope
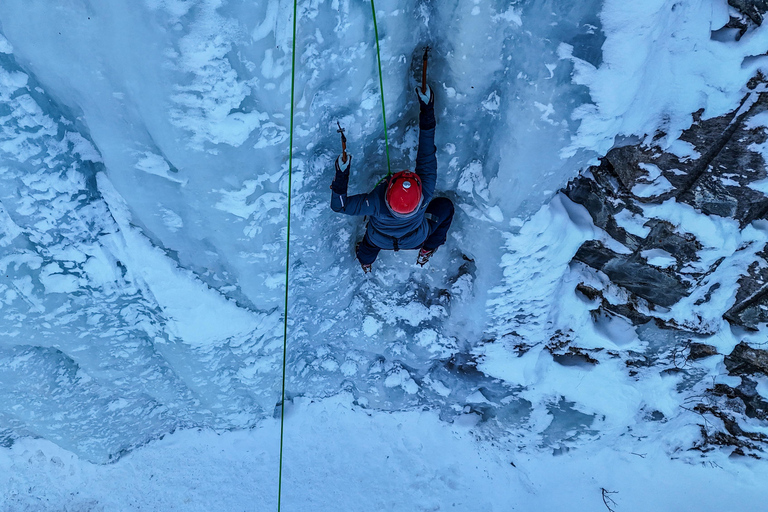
x=287, y=264
x=381, y=86
x=288, y=234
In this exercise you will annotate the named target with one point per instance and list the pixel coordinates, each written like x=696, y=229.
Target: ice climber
x=402, y=212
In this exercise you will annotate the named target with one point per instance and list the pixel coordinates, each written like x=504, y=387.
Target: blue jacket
x=384, y=226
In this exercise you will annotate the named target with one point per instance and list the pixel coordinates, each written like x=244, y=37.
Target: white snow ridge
x=144, y=170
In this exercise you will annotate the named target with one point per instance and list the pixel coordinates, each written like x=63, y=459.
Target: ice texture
x=144, y=167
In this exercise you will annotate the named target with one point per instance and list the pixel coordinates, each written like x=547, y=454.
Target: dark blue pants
x=439, y=214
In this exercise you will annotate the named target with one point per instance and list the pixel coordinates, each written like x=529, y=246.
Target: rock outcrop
x=718, y=170
x=658, y=209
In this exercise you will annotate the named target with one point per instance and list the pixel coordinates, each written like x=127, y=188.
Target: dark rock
x=717, y=182
x=574, y=357
x=730, y=406
x=625, y=162
x=746, y=360
x=713, y=179
x=567, y=355
x=755, y=406
x=638, y=361
x=663, y=236
x=734, y=435
x=628, y=311
x=589, y=292
x=749, y=315
x=463, y=363
x=7, y=438
x=592, y=196
x=654, y=285
x=708, y=295
x=740, y=25
x=714, y=176
x=759, y=77
x=701, y=350
x=751, y=306
x=753, y=9
x=629, y=271
x=602, y=200
x=594, y=254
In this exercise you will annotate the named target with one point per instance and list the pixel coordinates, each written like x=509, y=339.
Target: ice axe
x=343, y=143
x=424, y=70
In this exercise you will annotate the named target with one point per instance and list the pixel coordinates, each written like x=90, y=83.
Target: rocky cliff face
x=718, y=170
x=681, y=245
x=750, y=10
x=681, y=235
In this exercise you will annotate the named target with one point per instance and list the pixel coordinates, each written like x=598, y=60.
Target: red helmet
x=404, y=192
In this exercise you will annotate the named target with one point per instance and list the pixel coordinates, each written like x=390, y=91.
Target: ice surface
x=160, y=130
x=144, y=163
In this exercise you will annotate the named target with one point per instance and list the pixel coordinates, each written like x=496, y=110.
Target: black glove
x=341, y=180
x=427, y=108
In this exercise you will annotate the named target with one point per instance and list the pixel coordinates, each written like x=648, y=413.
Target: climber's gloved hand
x=343, y=167
x=341, y=180
x=426, y=99
x=426, y=108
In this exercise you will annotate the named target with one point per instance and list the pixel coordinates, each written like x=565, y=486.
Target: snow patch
x=371, y=326
x=654, y=184
x=659, y=258
x=5, y=46
x=155, y=164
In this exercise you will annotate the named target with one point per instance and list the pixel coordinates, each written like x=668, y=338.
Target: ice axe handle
x=424, y=70
x=343, y=143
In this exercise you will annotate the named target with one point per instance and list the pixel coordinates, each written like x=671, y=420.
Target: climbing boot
x=424, y=255
x=366, y=268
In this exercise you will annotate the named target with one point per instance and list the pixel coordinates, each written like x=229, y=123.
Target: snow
x=654, y=184
x=632, y=223
x=405, y=461
x=711, y=230
x=156, y=164
x=760, y=186
x=196, y=314
x=659, y=66
x=371, y=326
x=143, y=225
x=5, y=46
x=655, y=188
x=683, y=150
x=658, y=258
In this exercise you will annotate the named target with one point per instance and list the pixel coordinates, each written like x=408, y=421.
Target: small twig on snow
x=706, y=425
x=607, y=500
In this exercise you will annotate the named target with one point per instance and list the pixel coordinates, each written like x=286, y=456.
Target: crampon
x=424, y=255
